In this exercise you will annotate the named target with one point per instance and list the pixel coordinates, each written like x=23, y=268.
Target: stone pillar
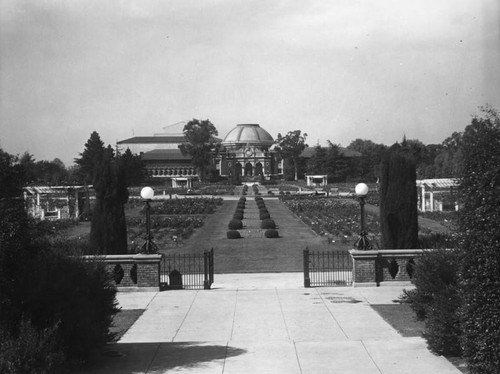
x=364, y=268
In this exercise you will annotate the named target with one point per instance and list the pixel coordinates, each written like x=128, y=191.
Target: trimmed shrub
x=264, y=215
x=233, y=234
x=271, y=234
x=267, y=224
x=240, y=205
x=235, y=224
x=436, y=299
x=238, y=216
x=242, y=199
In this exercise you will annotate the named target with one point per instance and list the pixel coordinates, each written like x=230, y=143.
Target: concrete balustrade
x=387, y=266
x=133, y=272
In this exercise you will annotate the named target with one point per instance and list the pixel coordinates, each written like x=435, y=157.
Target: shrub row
x=236, y=223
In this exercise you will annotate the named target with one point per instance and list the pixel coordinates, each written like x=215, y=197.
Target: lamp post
x=362, y=242
x=148, y=247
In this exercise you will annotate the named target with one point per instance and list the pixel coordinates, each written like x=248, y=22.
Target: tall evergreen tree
x=398, y=199
x=134, y=169
x=108, y=232
x=91, y=156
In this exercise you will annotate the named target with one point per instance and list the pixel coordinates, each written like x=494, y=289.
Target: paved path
x=266, y=323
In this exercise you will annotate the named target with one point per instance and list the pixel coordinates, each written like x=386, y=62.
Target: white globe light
x=362, y=189
x=147, y=193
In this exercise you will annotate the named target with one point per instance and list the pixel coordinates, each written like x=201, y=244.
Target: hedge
x=271, y=234
x=235, y=224
x=233, y=234
x=268, y=224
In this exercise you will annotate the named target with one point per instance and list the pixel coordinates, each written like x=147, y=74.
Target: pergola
x=432, y=185
x=316, y=180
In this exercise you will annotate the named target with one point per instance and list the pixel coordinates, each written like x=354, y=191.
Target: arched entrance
x=258, y=169
x=248, y=170
x=238, y=169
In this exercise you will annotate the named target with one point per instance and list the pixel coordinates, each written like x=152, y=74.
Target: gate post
x=307, y=280
x=206, y=283
x=211, y=267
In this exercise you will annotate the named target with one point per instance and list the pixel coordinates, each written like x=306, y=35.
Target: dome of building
x=248, y=134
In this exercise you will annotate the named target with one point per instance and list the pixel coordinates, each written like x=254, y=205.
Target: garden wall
x=134, y=272
x=372, y=268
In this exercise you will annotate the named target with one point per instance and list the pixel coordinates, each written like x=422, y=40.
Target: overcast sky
x=337, y=70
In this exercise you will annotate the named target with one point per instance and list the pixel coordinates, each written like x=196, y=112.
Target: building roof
x=164, y=155
x=248, y=134
x=154, y=139
x=346, y=152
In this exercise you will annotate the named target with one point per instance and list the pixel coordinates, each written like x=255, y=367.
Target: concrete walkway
x=266, y=323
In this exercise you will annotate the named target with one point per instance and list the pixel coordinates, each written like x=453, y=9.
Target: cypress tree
x=398, y=199
x=108, y=232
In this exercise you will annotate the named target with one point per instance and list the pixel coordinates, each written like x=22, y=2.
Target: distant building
x=246, y=154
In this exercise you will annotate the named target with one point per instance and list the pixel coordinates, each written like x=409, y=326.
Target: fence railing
x=187, y=270
x=327, y=268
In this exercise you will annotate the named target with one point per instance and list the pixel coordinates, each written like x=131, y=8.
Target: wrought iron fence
x=327, y=268
x=187, y=270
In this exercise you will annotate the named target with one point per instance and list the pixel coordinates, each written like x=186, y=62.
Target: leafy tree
x=290, y=147
x=12, y=177
x=108, y=231
x=371, y=157
x=28, y=166
x=202, y=145
x=398, y=199
x=91, y=156
x=479, y=223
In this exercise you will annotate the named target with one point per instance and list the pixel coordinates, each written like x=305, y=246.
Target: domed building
x=247, y=154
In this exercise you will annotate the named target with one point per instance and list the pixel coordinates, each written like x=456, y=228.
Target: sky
x=336, y=70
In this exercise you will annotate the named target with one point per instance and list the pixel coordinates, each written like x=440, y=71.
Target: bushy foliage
x=30, y=350
x=240, y=205
x=233, y=234
x=271, y=234
x=69, y=303
x=437, y=240
x=268, y=224
x=238, y=216
x=235, y=224
x=480, y=222
x=436, y=299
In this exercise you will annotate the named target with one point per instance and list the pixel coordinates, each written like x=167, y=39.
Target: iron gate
x=327, y=268
x=187, y=270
